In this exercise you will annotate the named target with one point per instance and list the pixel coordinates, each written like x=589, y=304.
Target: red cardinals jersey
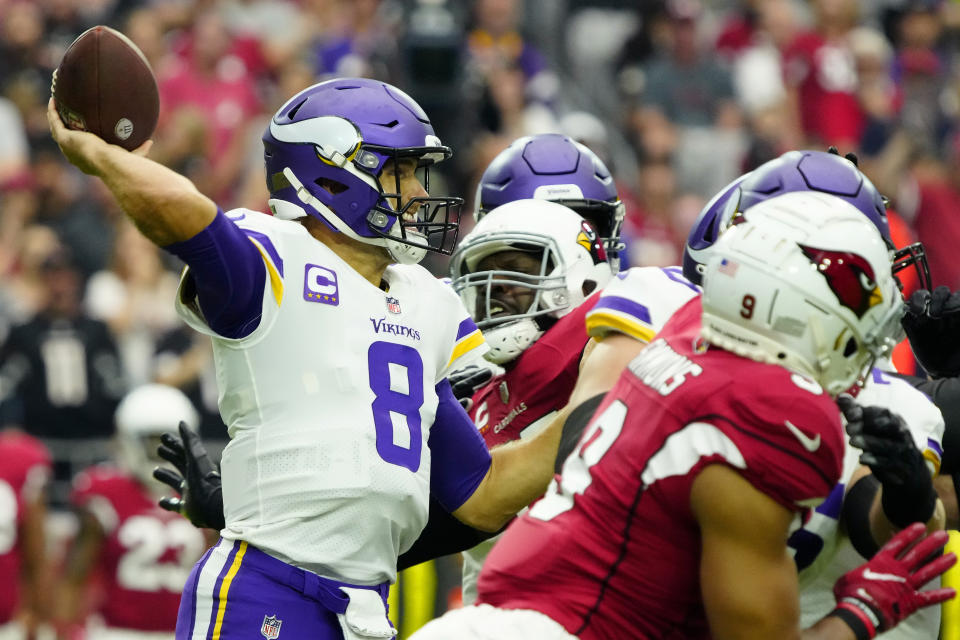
x=826, y=78
x=611, y=551
x=24, y=469
x=537, y=384
x=147, y=554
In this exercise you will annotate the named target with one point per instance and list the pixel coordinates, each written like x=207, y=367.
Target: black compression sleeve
x=443, y=535
x=945, y=393
x=573, y=428
x=856, y=515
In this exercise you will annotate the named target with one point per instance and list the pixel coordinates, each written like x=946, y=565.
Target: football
x=104, y=85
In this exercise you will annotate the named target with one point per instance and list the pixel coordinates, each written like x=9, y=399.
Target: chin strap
x=404, y=253
x=509, y=340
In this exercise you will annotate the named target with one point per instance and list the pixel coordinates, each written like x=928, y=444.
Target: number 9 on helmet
x=803, y=280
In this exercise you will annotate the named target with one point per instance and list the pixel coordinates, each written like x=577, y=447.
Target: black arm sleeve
x=945, y=393
x=443, y=535
x=856, y=515
x=573, y=429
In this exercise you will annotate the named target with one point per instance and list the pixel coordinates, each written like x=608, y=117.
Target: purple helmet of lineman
x=823, y=171
x=325, y=150
x=554, y=167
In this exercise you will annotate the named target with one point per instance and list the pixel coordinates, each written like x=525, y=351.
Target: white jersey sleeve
x=638, y=302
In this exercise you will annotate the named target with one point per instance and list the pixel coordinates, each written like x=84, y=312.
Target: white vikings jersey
x=638, y=302
x=329, y=404
x=823, y=552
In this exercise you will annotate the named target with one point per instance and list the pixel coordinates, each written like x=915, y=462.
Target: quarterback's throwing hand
x=198, y=480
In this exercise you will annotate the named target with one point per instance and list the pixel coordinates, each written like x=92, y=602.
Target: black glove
x=198, y=481
x=932, y=323
x=888, y=449
x=464, y=382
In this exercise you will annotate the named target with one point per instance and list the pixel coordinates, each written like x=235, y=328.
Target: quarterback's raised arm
x=164, y=205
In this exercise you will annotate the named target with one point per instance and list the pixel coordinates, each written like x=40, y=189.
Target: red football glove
x=885, y=590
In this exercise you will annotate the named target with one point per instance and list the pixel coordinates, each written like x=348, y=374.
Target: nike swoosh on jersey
x=810, y=444
x=887, y=577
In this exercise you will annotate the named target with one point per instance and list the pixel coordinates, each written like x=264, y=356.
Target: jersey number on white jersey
x=396, y=379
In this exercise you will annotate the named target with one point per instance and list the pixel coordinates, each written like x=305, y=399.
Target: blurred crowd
x=678, y=97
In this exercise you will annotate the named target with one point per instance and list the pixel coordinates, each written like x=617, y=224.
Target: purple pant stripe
x=216, y=589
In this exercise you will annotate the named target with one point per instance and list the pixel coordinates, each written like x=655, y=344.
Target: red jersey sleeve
x=789, y=434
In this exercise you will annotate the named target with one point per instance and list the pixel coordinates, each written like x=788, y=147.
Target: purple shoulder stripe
x=832, y=506
x=623, y=305
x=267, y=244
x=466, y=327
x=676, y=274
x=934, y=446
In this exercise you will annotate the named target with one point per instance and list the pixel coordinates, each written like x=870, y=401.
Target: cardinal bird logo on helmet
x=849, y=276
x=589, y=240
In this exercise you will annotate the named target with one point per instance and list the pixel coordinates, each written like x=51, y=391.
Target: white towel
x=366, y=616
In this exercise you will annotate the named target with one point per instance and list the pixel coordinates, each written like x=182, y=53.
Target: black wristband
x=904, y=505
x=854, y=621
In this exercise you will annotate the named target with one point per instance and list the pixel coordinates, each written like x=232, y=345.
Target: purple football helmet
x=822, y=171
x=324, y=151
x=554, y=167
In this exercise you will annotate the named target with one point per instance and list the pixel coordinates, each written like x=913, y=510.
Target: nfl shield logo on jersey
x=270, y=628
x=393, y=305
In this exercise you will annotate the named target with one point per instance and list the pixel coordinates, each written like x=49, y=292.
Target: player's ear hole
x=588, y=287
x=851, y=348
x=332, y=186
